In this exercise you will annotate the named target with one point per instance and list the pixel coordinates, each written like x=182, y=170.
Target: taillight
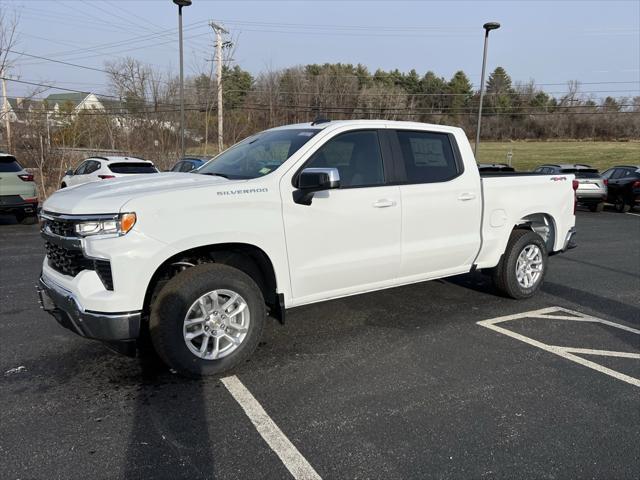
x=576, y=183
x=106, y=177
x=26, y=177
x=31, y=200
x=636, y=184
x=605, y=181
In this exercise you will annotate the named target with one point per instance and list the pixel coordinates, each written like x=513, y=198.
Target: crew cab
x=290, y=216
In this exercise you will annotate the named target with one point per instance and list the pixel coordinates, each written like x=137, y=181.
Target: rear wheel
x=621, y=205
x=523, y=265
x=63, y=185
x=207, y=319
x=596, y=207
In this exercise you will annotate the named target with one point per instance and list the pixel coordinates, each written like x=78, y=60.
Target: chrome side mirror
x=313, y=180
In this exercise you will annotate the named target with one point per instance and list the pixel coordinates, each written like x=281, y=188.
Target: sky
x=551, y=42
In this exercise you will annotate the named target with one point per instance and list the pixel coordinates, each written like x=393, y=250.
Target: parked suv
x=105, y=168
x=623, y=184
x=18, y=193
x=189, y=164
x=592, y=189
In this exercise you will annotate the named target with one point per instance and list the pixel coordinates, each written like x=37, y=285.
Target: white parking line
x=277, y=441
x=568, y=352
x=634, y=214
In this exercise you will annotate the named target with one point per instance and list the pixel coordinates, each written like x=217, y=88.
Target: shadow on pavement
x=169, y=429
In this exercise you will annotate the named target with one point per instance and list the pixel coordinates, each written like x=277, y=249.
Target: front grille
x=62, y=228
x=67, y=261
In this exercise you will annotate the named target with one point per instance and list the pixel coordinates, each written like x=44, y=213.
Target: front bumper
x=64, y=306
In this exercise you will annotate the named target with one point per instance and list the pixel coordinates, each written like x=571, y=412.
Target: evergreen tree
x=500, y=92
x=459, y=88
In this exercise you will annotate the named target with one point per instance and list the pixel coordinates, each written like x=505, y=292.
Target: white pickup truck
x=192, y=264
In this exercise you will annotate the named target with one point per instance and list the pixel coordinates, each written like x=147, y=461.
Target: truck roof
x=367, y=123
x=120, y=159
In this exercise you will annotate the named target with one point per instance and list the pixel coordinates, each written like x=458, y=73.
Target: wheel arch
x=541, y=223
x=247, y=258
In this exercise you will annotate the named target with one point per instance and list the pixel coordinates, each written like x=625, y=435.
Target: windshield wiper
x=215, y=174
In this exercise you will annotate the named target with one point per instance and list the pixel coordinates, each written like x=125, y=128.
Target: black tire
x=31, y=220
x=173, y=302
x=63, y=185
x=620, y=205
x=596, y=207
x=504, y=274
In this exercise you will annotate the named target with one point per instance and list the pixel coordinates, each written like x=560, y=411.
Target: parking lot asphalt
x=402, y=383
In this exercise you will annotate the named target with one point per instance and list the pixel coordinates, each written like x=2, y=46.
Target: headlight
x=109, y=225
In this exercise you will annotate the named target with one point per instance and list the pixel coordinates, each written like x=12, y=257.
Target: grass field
x=527, y=155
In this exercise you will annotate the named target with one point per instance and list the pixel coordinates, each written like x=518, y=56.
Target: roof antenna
x=315, y=110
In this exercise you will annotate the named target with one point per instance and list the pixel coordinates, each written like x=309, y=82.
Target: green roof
x=74, y=98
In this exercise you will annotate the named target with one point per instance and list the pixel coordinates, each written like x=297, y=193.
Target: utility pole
x=5, y=111
x=219, y=30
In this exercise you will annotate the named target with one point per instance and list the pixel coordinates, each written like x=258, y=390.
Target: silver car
x=592, y=189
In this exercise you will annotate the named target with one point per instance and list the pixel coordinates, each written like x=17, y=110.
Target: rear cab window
x=132, y=167
x=9, y=163
x=428, y=157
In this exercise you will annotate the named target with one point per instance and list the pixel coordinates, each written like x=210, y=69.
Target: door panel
x=343, y=241
x=348, y=239
x=441, y=206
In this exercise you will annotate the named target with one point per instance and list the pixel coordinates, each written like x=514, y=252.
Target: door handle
x=384, y=203
x=465, y=197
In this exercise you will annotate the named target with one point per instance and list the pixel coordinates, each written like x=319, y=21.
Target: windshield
x=258, y=155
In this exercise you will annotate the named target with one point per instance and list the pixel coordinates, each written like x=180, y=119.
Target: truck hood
x=108, y=196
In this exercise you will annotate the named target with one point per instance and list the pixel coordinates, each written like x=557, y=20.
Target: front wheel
x=207, y=319
x=596, y=207
x=30, y=220
x=523, y=265
x=621, y=205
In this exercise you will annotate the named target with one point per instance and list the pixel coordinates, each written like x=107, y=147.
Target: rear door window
x=132, y=167
x=92, y=166
x=177, y=167
x=9, y=164
x=428, y=156
x=82, y=169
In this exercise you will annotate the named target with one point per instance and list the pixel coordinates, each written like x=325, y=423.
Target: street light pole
x=487, y=28
x=180, y=4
